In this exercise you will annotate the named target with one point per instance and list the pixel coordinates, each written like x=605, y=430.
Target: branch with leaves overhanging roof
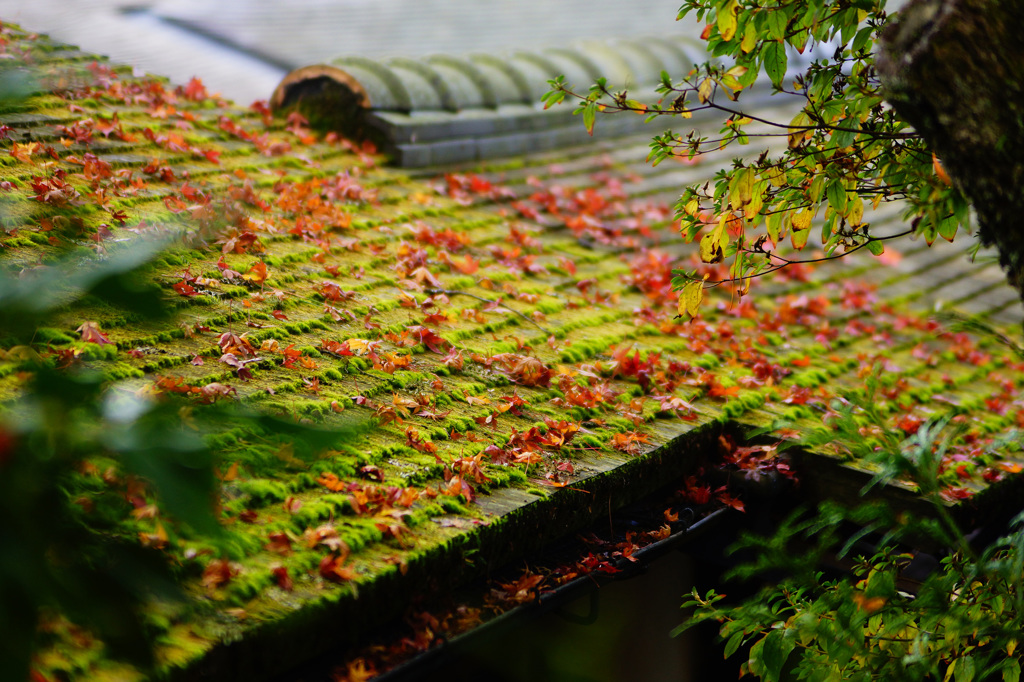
x=845, y=149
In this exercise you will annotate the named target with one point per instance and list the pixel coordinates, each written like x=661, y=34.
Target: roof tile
x=510, y=86
x=471, y=87
x=351, y=249
x=395, y=95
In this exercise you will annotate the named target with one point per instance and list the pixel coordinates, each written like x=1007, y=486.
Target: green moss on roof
x=477, y=335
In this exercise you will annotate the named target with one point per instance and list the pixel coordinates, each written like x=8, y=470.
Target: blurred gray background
x=242, y=48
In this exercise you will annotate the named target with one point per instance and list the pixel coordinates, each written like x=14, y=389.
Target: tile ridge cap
x=280, y=96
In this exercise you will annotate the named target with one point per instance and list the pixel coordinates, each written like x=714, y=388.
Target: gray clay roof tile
x=468, y=108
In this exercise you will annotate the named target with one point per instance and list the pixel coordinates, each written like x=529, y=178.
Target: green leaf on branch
x=963, y=669
x=836, y=194
x=948, y=228
x=1011, y=670
x=589, y=114
x=845, y=137
x=861, y=40
x=755, y=662
x=775, y=62
x=777, y=22
x=773, y=225
x=733, y=644
x=776, y=649
x=557, y=93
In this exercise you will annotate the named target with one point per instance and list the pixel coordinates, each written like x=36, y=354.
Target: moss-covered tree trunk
x=954, y=69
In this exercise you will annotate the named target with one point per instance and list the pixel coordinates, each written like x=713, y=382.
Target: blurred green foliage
x=884, y=620
x=69, y=449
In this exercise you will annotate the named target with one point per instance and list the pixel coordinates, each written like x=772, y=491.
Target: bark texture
x=954, y=69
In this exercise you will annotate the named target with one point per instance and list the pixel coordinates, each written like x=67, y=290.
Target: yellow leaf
x=775, y=176
x=749, y=38
x=855, y=211
x=801, y=223
x=704, y=90
x=24, y=152
x=733, y=85
x=358, y=346
x=802, y=220
x=231, y=474
x=727, y=20
x=752, y=209
x=742, y=188
x=799, y=129
x=691, y=297
x=869, y=604
x=773, y=224
x=711, y=244
x=692, y=206
x=949, y=671
x=638, y=107
x=799, y=238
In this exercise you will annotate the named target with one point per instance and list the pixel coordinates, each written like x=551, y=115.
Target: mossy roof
x=500, y=348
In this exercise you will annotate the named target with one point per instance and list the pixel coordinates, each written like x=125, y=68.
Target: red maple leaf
x=728, y=500
x=281, y=577
x=184, y=288
x=429, y=338
x=91, y=333
x=332, y=568
x=279, y=543
x=218, y=572
x=909, y=424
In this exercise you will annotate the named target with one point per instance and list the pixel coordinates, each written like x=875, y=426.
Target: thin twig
x=786, y=263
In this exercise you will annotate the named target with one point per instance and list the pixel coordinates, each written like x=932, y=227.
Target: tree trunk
x=954, y=69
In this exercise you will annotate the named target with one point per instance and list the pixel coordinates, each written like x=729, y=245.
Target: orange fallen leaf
x=257, y=274
x=332, y=568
